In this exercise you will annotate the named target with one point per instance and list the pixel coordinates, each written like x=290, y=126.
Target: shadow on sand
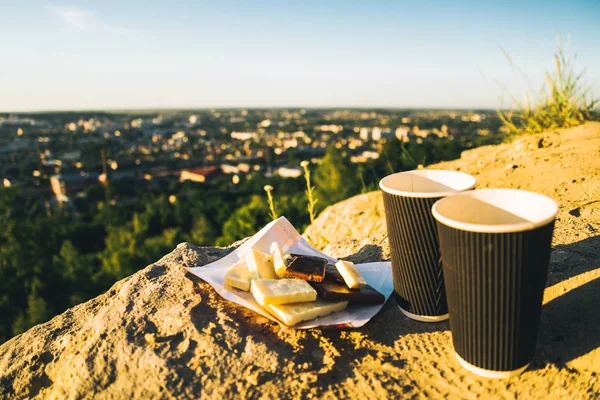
x=570, y=323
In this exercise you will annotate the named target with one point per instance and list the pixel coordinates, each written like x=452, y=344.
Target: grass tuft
x=563, y=101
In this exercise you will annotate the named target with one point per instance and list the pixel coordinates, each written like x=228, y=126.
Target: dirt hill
x=162, y=333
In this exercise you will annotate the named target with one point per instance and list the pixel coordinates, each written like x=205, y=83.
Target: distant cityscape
x=58, y=155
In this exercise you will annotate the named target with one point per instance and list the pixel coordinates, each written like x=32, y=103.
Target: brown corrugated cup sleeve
x=495, y=254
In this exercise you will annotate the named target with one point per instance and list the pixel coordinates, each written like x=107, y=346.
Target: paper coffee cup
x=412, y=232
x=495, y=246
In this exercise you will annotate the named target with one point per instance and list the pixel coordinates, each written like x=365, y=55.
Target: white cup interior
x=427, y=183
x=495, y=210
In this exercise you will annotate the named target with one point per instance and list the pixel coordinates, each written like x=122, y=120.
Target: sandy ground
x=163, y=333
x=564, y=165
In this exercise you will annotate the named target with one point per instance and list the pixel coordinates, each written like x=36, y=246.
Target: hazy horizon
x=192, y=109
x=137, y=55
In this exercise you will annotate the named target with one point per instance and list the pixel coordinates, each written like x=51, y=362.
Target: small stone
x=150, y=338
x=544, y=142
x=252, y=379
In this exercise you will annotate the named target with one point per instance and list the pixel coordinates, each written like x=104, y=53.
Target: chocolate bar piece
x=308, y=268
x=333, y=275
x=334, y=291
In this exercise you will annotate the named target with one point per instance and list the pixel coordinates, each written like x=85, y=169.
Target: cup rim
x=469, y=182
x=547, y=210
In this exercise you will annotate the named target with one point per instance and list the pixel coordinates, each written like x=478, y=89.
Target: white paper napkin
x=377, y=274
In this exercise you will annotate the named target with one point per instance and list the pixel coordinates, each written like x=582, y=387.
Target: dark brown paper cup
x=412, y=232
x=495, y=246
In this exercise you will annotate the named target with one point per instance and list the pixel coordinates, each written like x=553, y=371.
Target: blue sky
x=148, y=54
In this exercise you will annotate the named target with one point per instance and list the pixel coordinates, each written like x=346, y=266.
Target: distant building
x=244, y=135
x=331, y=128
x=136, y=123
x=16, y=121
x=364, y=134
x=243, y=167
x=15, y=146
x=444, y=129
x=71, y=156
x=290, y=143
x=68, y=185
x=420, y=133
x=199, y=174
x=289, y=172
x=229, y=169
x=402, y=133
x=358, y=159
x=370, y=154
x=376, y=134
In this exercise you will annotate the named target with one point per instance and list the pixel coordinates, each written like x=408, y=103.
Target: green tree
x=397, y=156
x=245, y=221
x=157, y=246
x=119, y=257
x=201, y=232
x=335, y=178
x=293, y=207
x=130, y=247
x=78, y=274
x=37, y=311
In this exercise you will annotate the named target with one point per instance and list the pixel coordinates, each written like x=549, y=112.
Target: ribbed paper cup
x=495, y=246
x=412, y=232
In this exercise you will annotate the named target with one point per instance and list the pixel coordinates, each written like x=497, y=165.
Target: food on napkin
x=334, y=291
x=282, y=291
x=309, y=268
x=351, y=275
x=279, y=282
x=291, y=314
x=278, y=259
x=238, y=277
x=290, y=241
x=333, y=275
x=260, y=265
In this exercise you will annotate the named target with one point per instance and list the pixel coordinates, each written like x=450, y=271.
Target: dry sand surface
x=162, y=333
